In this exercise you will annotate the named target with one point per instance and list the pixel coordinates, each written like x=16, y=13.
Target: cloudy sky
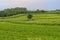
x=31, y=4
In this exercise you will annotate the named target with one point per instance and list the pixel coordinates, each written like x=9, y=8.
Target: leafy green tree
x=43, y=11
x=29, y=16
x=12, y=11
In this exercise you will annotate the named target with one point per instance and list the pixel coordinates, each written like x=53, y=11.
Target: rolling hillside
x=42, y=27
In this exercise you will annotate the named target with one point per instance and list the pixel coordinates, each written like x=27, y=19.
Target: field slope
x=42, y=27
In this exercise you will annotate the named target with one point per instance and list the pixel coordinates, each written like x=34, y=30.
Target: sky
x=31, y=4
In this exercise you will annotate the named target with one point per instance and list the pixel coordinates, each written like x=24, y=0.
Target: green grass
x=42, y=27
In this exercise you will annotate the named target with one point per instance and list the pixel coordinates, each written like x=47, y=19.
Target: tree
x=43, y=11
x=37, y=10
x=13, y=11
x=29, y=16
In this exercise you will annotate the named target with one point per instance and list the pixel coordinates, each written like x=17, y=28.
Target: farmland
x=41, y=27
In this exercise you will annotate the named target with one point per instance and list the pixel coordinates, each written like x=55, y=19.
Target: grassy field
x=42, y=27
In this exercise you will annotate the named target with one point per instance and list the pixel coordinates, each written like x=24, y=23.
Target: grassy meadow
x=41, y=27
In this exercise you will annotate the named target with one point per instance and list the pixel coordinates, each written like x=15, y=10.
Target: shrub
x=29, y=16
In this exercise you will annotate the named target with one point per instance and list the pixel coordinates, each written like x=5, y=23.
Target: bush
x=29, y=16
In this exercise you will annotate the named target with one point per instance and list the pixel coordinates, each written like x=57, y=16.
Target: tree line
x=18, y=10
x=12, y=11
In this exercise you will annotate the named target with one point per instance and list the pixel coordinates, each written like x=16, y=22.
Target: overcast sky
x=31, y=4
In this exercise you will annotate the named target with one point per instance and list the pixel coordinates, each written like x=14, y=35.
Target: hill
x=42, y=27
